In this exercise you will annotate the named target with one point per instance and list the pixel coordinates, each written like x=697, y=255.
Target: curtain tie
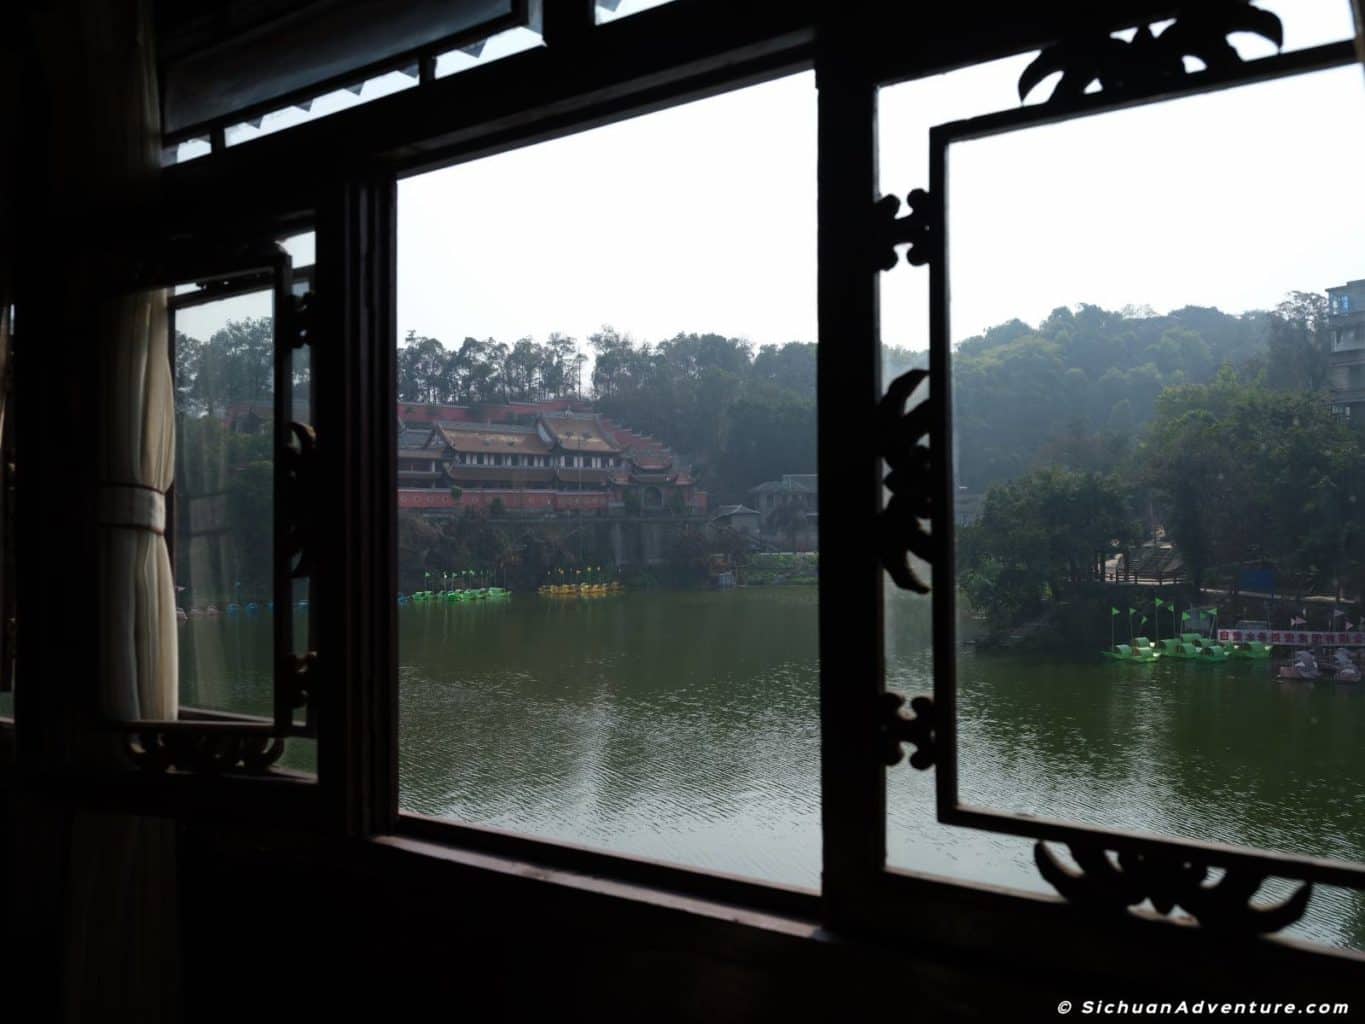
x=132, y=507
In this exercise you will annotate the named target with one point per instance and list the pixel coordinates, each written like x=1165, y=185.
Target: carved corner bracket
x=297, y=678
x=302, y=334
x=897, y=728
x=205, y=751
x=891, y=229
x=1113, y=883
x=900, y=527
x=297, y=481
x=1149, y=60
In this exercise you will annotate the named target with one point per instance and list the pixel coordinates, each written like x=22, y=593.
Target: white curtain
x=136, y=446
x=137, y=465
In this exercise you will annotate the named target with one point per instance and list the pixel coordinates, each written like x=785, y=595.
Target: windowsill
x=735, y=891
x=956, y=925
x=601, y=885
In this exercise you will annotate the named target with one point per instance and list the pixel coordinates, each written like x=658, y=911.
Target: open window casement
x=144, y=580
x=906, y=525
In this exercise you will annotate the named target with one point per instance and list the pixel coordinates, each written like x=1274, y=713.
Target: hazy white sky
x=702, y=217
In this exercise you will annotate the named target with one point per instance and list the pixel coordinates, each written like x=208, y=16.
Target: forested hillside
x=1075, y=391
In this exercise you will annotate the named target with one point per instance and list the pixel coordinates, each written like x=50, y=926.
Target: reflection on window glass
x=486, y=51
x=1306, y=23
x=224, y=506
x=914, y=838
x=321, y=106
x=607, y=489
x=302, y=249
x=610, y=10
x=184, y=152
x=224, y=480
x=1159, y=554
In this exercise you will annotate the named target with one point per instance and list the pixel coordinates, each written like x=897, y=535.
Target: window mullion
x=354, y=390
x=853, y=784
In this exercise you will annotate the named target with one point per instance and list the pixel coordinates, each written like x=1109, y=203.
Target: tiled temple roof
x=580, y=434
x=491, y=437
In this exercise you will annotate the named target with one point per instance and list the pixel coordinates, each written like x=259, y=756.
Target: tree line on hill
x=740, y=415
x=1087, y=429
x=1228, y=444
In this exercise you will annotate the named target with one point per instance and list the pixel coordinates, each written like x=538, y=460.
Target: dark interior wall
x=301, y=927
x=274, y=925
x=306, y=929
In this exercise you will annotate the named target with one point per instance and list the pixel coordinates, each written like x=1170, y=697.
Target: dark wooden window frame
x=290, y=287
x=1117, y=868
x=951, y=809
x=339, y=174
x=225, y=266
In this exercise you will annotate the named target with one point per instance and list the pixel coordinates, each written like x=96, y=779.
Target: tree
x=236, y=364
x=1244, y=472
x=1039, y=535
x=1299, y=357
x=422, y=371
x=1019, y=391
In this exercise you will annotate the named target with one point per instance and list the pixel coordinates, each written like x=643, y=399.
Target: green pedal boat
x=1179, y=648
x=1133, y=652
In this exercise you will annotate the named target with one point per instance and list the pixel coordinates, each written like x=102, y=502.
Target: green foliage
x=224, y=493
x=236, y=364
x=1076, y=391
x=1038, y=536
x=1299, y=353
x=741, y=417
x=771, y=568
x=456, y=543
x=487, y=371
x=1246, y=473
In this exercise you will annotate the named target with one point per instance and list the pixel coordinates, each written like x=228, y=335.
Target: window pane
x=915, y=839
x=577, y=502
x=611, y=10
x=486, y=51
x=322, y=106
x=1144, y=380
x=184, y=152
x=224, y=507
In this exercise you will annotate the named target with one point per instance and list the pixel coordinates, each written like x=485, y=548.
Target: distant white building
x=739, y=518
x=799, y=489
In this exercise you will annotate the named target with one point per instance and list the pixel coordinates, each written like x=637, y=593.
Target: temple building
x=537, y=458
x=798, y=490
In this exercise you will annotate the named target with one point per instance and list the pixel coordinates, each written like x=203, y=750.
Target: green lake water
x=684, y=726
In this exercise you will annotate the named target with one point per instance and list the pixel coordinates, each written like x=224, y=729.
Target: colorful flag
x=1184, y=616
x=1113, y=611
x=1159, y=604
x=1296, y=621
